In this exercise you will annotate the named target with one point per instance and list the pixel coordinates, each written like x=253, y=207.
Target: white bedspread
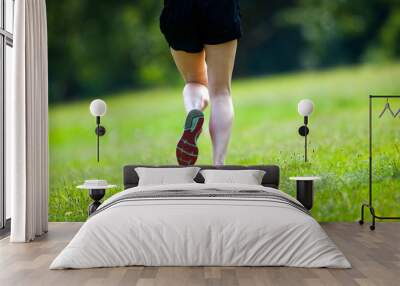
x=200, y=231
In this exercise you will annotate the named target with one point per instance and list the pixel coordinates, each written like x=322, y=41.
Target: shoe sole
x=186, y=149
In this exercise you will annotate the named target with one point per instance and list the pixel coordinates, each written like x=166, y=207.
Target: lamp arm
x=98, y=148
x=305, y=138
x=100, y=131
x=98, y=138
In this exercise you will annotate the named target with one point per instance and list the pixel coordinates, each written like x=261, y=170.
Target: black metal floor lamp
x=370, y=201
x=305, y=108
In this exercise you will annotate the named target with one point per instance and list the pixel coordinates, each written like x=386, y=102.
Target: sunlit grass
x=143, y=127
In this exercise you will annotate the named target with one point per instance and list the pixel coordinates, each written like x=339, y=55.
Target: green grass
x=143, y=127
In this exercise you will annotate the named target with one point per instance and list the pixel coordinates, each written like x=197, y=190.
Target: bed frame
x=270, y=179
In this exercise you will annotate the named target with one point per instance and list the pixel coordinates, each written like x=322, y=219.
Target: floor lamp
x=98, y=108
x=305, y=108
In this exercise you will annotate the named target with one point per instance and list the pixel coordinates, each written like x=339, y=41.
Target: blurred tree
x=341, y=32
x=266, y=45
x=97, y=46
x=390, y=34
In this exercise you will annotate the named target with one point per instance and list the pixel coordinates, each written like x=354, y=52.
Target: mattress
x=201, y=225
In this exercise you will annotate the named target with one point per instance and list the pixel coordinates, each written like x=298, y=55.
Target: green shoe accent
x=192, y=119
x=194, y=123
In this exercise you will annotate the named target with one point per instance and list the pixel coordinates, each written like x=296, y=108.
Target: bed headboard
x=270, y=179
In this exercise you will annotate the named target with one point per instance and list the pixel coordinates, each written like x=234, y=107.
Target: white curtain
x=28, y=142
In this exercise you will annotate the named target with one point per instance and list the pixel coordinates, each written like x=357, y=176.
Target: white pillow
x=248, y=177
x=165, y=176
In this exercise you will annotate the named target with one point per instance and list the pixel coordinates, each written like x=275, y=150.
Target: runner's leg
x=220, y=61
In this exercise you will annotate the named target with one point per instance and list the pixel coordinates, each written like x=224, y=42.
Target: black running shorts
x=188, y=25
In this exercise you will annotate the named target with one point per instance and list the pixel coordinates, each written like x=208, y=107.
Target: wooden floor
x=375, y=257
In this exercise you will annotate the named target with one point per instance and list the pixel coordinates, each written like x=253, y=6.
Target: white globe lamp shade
x=98, y=107
x=305, y=107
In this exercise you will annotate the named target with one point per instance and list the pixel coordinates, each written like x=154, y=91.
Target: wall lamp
x=98, y=108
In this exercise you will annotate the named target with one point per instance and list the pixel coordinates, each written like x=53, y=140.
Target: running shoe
x=186, y=149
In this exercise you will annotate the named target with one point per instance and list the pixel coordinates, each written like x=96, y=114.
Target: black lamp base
x=305, y=193
x=96, y=195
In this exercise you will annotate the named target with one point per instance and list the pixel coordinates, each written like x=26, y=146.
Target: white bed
x=201, y=230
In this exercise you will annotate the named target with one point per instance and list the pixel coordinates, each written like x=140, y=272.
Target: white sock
x=195, y=96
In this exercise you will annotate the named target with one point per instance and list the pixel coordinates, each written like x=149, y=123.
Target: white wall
x=8, y=144
x=9, y=25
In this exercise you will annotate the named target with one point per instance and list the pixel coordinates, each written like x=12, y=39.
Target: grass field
x=143, y=127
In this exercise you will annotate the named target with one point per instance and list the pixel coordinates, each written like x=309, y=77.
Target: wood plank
x=375, y=257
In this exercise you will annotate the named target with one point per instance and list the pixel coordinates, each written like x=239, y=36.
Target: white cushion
x=166, y=176
x=248, y=177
